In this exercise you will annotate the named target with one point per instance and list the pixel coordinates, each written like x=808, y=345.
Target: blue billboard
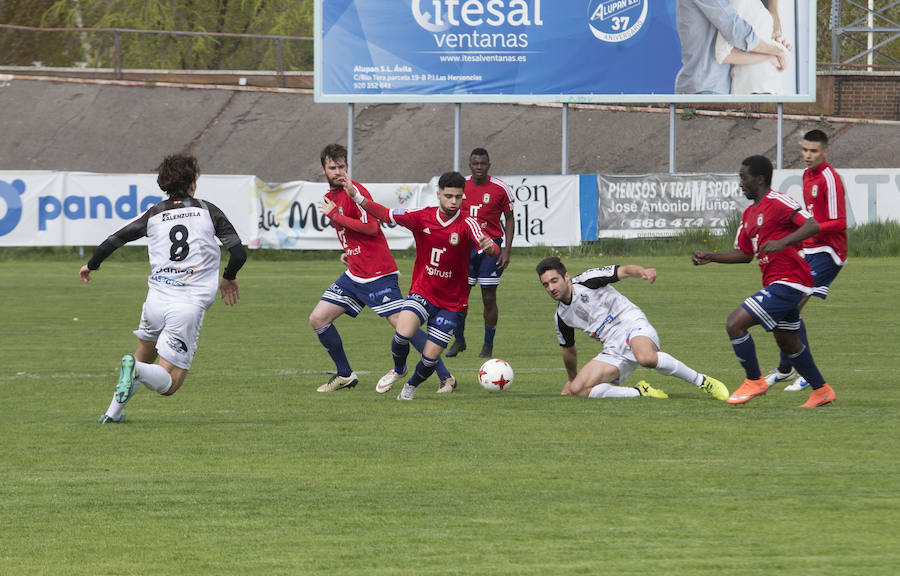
x=562, y=51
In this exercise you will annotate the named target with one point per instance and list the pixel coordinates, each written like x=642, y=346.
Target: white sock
x=154, y=377
x=115, y=409
x=610, y=391
x=671, y=366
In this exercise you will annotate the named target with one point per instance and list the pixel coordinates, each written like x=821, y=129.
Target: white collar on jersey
x=443, y=222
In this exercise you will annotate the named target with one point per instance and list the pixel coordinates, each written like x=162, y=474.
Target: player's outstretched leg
x=125, y=389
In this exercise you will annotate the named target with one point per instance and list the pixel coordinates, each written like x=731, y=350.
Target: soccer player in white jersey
x=588, y=302
x=184, y=276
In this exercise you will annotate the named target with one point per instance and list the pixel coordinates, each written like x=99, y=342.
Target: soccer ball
x=495, y=375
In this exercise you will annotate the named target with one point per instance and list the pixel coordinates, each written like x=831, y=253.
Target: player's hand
x=230, y=292
x=503, y=259
x=565, y=390
x=345, y=260
x=85, y=274
x=326, y=206
x=649, y=274
x=347, y=183
x=773, y=246
x=699, y=257
x=486, y=245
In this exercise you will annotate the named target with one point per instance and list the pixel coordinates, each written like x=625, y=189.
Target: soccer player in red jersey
x=371, y=276
x=486, y=199
x=826, y=252
x=770, y=229
x=439, y=289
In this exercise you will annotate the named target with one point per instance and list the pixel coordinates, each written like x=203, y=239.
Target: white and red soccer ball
x=495, y=375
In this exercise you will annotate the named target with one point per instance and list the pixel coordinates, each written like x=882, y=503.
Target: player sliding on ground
x=589, y=303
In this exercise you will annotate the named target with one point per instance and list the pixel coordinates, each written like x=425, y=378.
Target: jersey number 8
x=180, y=247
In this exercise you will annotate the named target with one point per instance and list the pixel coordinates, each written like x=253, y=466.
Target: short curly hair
x=176, y=173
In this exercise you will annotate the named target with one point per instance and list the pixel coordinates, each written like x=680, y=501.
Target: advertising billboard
x=572, y=51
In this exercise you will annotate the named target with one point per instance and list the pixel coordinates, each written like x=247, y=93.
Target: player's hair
x=759, y=166
x=816, y=136
x=176, y=173
x=480, y=152
x=551, y=263
x=451, y=180
x=333, y=151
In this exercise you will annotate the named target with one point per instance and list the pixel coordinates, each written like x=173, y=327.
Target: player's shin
x=400, y=351
x=671, y=366
x=424, y=369
x=806, y=366
x=745, y=350
x=153, y=376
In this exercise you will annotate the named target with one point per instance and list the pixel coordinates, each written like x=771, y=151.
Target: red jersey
x=368, y=255
x=774, y=217
x=487, y=202
x=823, y=195
x=443, y=249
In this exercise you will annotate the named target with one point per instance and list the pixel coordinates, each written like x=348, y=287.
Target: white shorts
x=617, y=346
x=174, y=326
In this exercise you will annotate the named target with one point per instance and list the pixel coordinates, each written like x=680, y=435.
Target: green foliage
x=874, y=239
x=247, y=470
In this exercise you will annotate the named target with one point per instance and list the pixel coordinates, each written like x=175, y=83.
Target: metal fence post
x=118, y=56
x=279, y=62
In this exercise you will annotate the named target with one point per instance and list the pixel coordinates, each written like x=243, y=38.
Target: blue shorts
x=441, y=322
x=381, y=295
x=776, y=306
x=824, y=271
x=483, y=267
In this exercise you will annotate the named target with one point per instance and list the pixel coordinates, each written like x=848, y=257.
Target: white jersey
x=596, y=308
x=184, y=255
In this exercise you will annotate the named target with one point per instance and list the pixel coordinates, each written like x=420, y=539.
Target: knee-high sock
x=331, y=340
x=399, y=350
x=418, y=341
x=784, y=363
x=806, y=366
x=460, y=331
x=489, y=332
x=610, y=391
x=745, y=350
x=671, y=366
x=154, y=377
x=424, y=369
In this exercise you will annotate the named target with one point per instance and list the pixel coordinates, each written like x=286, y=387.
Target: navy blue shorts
x=441, y=322
x=483, y=267
x=776, y=306
x=382, y=295
x=824, y=271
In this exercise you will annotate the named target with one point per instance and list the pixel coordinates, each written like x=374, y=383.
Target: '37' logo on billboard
x=616, y=20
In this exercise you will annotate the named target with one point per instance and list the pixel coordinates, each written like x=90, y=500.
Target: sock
x=400, y=350
x=806, y=366
x=424, y=369
x=331, y=340
x=115, y=408
x=745, y=350
x=418, y=341
x=785, y=365
x=153, y=376
x=671, y=366
x=610, y=391
x=460, y=331
x=489, y=332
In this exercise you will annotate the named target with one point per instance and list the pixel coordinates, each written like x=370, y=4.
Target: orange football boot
x=822, y=396
x=749, y=389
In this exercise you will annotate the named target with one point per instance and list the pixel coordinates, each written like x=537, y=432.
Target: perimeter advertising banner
x=666, y=204
x=562, y=51
x=39, y=208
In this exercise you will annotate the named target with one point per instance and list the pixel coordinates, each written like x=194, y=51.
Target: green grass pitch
x=247, y=470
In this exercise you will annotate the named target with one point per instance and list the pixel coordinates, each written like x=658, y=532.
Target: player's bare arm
x=570, y=361
x=700, y=257
x=809, y=228
x=509, y=230
x=635, y=271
